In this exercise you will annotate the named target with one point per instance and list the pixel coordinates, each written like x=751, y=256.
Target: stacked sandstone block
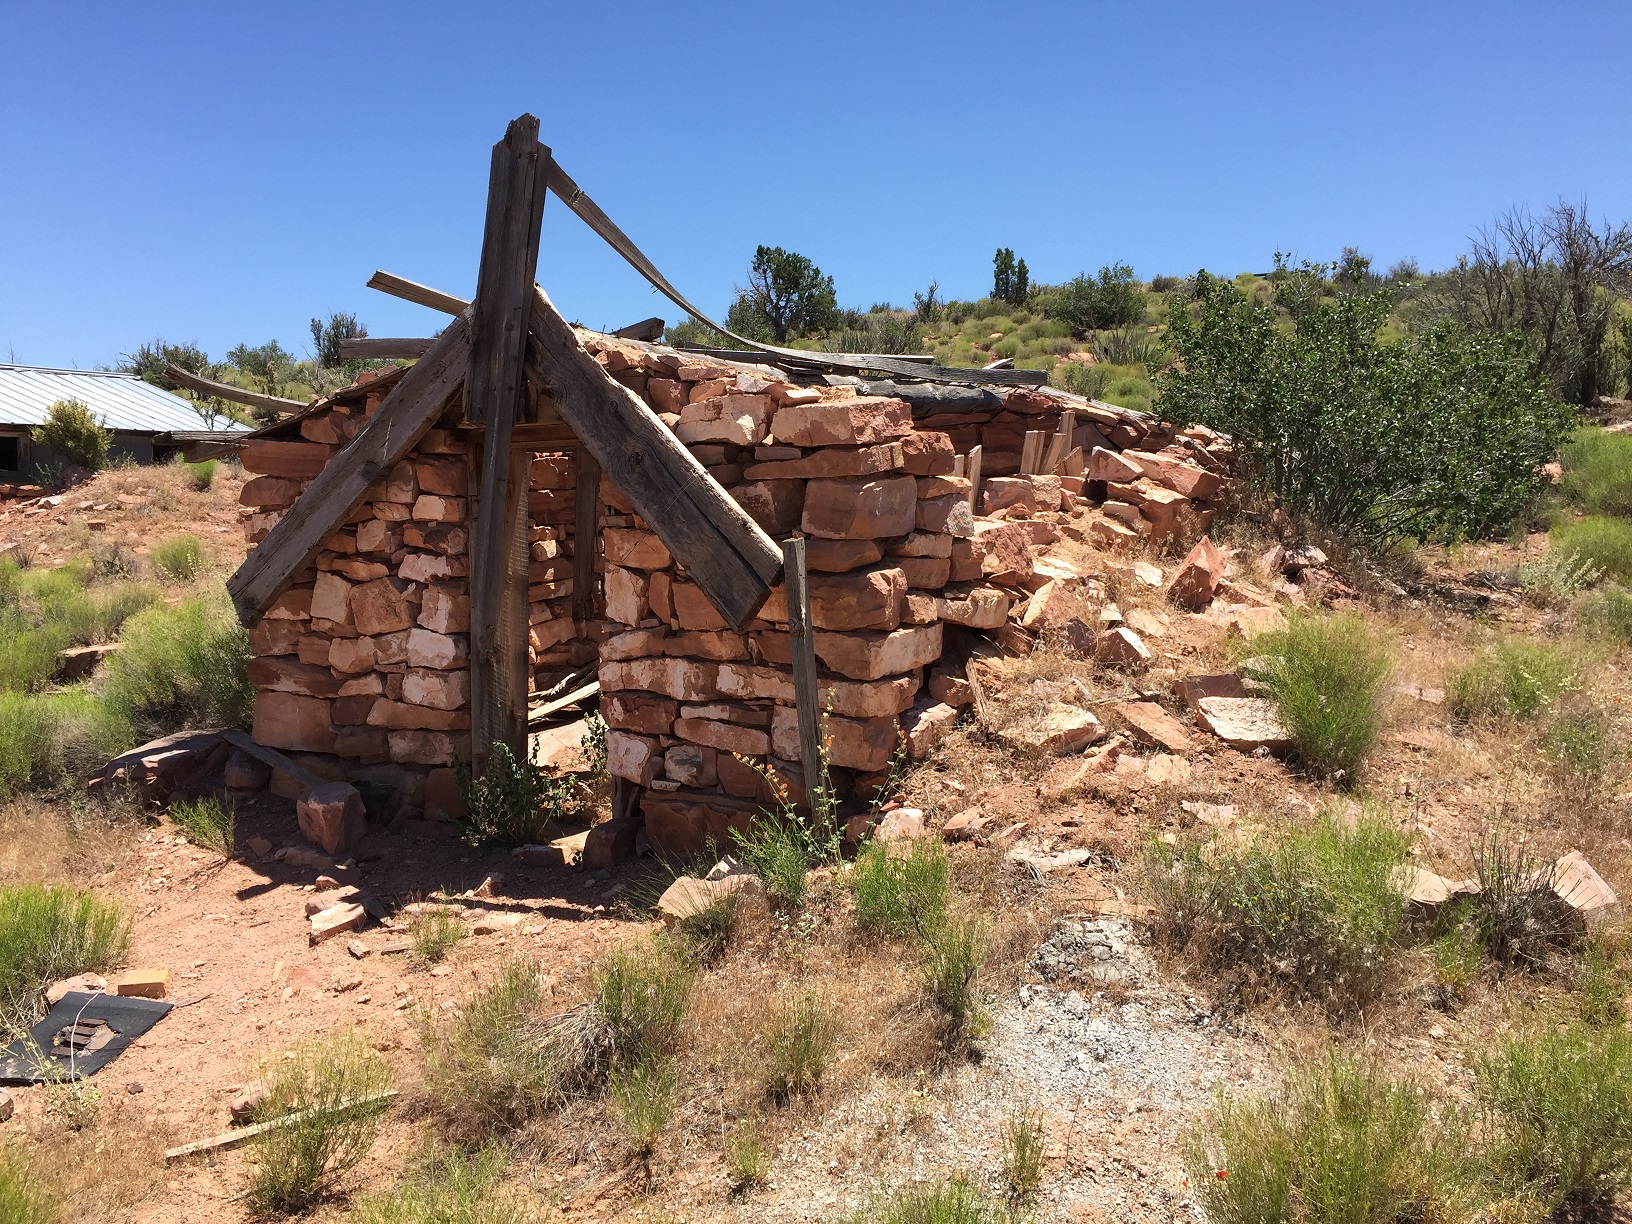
x=361, y=668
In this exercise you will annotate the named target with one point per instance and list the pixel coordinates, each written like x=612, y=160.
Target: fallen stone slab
x=336, y=920
x=1122, y=645
x=317, y=902
x=689, y=896
x=900, y=825
x=84, y=983
x=611, y=842
x=332, y=815
x=1426, y=889
x=142, y=984
x=1244, y=723
x=965, y=826
x=1224, y=684
x=1199, y=574
x=1149, y=724
x=1042, y=863
x=81, y=662
x=161, y=767
x=1165, y=770
x=1062, y=729
x=1575, y=883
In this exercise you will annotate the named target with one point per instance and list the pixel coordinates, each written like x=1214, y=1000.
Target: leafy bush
x=1338, y=1144
x=46, y=737
x=1598, y=471
x=329, y=1096
x=1518, y=678
x=179, y=667
x=901, y=894
x=1555, y=578
x=180, y=558
x=799, y=1041
x=452, y=1188
x=1313, y=912
x=206, y=821
x=780, y=848
x=1086, y=303
x=1023, y=1154
x=23, y=1197
x=1579, y=744
x=1605, y=543
x=513, y=803
x=1439, y=435
x=202, y=474
x=957, y=1201
x=1327, y=675
x=497, y=1063
x=1558, y=1102
x=48, y=933
x=74, y=435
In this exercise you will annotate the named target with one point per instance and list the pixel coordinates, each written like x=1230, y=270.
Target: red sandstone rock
x=428, y=649
x=928, y=453
x=926, y=725
x=1109, y=466
x=1178, y=475
x=854, y=743
x=830, y=461
x=861, y=599
x=283, y=674
x=625, y=595
x=1148, y=723
x=636, y=757
x=684, y=679
x=774, y=504
x=634, y=549
x=853, y=422
x=629, y=711
x=292, y=722
x=1197, y=581
x=332, y=816
x=444, y=610
x=738, y=419
x=727, y=737
x=860, y=507
x=295, y=460
x=611, y=842
x=869, y=656
x=379, y=607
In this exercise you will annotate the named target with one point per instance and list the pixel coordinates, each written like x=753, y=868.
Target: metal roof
x=122, y=402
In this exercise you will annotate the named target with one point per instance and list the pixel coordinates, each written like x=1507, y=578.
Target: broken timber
x=724, y=551
x=493, y=401
x=226, y=391
x=400, y=421
x=243, y=1134
x=366, y=348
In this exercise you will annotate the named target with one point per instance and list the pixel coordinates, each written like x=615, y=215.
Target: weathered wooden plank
x=271, y=756
x=975, y=454
x=493, y=400
x=646, y=329
x=239, y=1135
x=226, y=391
x=722, y=548
x=802, y=645
x=420, y=295
x=542, y=436
x=536, y=715
x=586, y=536
x=400, y=421
x=369, y=348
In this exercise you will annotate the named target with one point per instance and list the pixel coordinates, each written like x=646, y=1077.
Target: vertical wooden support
x=1031, y=452
x=586, y=535
x=802, y=645
x=1060, y=445
x=974, y=479
x=493, y=400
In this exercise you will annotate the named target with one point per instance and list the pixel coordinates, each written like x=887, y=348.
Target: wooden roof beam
x=226, y=391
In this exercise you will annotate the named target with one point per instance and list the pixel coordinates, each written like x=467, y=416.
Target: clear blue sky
x=223, y=172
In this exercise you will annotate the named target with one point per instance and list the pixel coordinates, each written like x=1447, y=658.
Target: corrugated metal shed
x=122, y=402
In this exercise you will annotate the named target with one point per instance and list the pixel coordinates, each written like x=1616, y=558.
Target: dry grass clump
x=1312, y=913
x=24, y=1198
x=329, y=1095
x=799, y=1043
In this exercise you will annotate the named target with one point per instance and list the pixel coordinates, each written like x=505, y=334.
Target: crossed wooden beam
x=512, y=359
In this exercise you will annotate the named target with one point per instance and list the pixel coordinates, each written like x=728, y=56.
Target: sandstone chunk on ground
x=900, y=825
x=332, y=816
x=1148, y=723
x=1575, y=883
x=965, y=826
x=688, y=896
x=1197, y=580
x=336, y=920
x=1244, y=723
x=611, y=842
x=143, y=983
x=1062, y=729
x=1122, y=645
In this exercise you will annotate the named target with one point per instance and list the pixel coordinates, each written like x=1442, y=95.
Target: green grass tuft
x=180, y=558
x=48, y=933
x=206, y=821
x=202, y=474
x=24, y=1199
x=957, y=1201
x=1023, y=1154
x=1327, y=675
x=182, y=666
x=900, y=894
x=1518, y=678
x=1604, y=542
x=800, y=1042
x=1313, y=912
x=447, y=1188
x=1598, y=472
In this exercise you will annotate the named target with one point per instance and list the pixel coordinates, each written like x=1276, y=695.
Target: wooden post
x=493, y=399
x=586, y=536
x=974, y=479
x=802, y=646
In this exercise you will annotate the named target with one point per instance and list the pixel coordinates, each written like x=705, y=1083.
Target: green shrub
x=452, y=1188
x=202, y=474
x=23, y=1197
x=28, y=658
x=1518, y=678
x=206, y=821
x=643, y=1097
x=957, y=1201
x=330, y=1098
x=707, y=931
x=1579, y=744
x=799, y=1042
x=953, y=954
x=47, y=933
x=1608, y=614
x=117, y=604
x=1023, y=1154
x=1514, y=915
x=1555, y=578
x=901, y=894
x=1606, y=979
x=514, y=803
x=179, y=667
x=1339, y=1144
x=1605, y=543
x=1327, y=675
x=74, y=435
x=497, y=1063
x=180, y=558
x=1558, y=1102
x=1598, y=471
x=1462, y=417
x=47, y=737
x=1313, y=912
x=780, y=848
x=640, y=1000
